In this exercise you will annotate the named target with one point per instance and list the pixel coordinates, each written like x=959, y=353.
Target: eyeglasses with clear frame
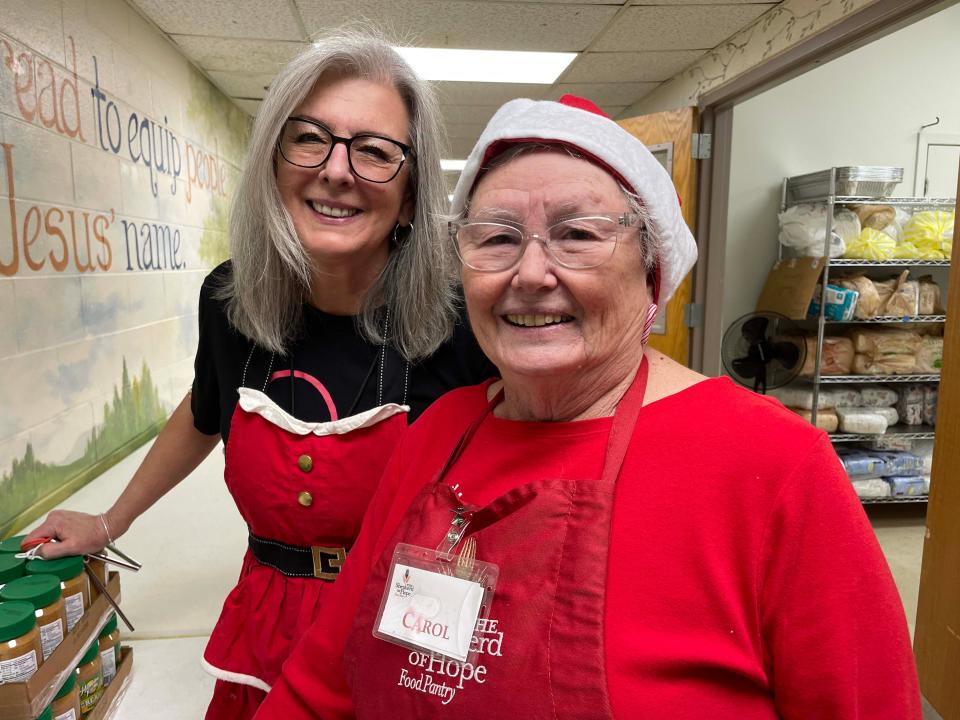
x=307, y=143
x=577, y=242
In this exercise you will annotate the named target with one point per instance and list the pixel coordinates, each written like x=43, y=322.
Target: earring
x=396, y=227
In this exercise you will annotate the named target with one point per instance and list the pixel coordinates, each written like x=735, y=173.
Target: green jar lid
x=92, y=652
x=39, y=590
x=65, y=568
x=11, y=545
x=46, y=714
x=68, y=685
x=16, y=618
x=11, y=567
x=110, y=626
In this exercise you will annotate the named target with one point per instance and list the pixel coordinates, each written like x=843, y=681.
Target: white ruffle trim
x=254, y=401
x=234, y=677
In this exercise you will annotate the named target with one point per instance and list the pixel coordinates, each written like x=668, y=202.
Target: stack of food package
x=868, y=232
x=887, y=473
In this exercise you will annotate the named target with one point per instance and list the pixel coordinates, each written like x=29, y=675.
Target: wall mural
x=117, y=162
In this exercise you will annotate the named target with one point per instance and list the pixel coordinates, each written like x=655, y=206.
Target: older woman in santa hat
x=603, y=533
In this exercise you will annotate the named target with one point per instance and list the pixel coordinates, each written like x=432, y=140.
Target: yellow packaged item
x=872, y=245
x=931, y=231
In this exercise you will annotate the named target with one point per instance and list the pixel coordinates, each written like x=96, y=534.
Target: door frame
x=716, y=117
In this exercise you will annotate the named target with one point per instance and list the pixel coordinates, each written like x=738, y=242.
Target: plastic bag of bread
x=826, y=418
x=899, y=364
x=905, y=300
x=931, y=396
x=859, y=463
x=878, y=396
x=895, y=228
x=871, y=488
x=803, y=227
x=885, y=341
x=887, y=413
x=930, y=355
x=931, y=231
x=910, y=405
x=836, y=356
x=802, y=398
x=891, y=442
x=846, y=396
x=861, y=421
x=906, y=485
x=871, y=244
x=876, y=217
x=929, y=296
x=868, y=299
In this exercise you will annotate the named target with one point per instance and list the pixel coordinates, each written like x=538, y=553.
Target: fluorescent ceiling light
x=453, y=165
x=507, y=66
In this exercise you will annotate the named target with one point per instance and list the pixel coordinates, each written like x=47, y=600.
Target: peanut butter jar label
x=51, y=635
x=90, y=692
x=108, y=659
x=68, y=715
x=74, y=607
x=18, y=669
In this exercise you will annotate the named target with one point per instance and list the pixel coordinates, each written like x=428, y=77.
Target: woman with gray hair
x=333, y=324
x=603, y=533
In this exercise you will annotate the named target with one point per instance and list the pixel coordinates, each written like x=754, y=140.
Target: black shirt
x=330, y=349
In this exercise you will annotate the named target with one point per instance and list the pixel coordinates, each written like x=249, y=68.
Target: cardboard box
x=25, y=701
x=107, y=707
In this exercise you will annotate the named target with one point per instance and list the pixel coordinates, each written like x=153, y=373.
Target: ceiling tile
x=680, y=27
x=251, y=107
x=236, y=18
x=479, y=93
x=467, y=115
x=629, y=66
x=603, y=93
x=234, y=55
x=460, y=147
x=469, y=24
x=241, y=85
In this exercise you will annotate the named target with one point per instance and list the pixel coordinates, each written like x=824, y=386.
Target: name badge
x=432, y=603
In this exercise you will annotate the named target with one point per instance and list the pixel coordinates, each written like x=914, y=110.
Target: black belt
x=298, y=561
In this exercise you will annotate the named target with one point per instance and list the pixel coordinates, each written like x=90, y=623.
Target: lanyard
x=624, y=422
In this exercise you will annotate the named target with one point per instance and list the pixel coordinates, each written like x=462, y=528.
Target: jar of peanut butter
x=12, y=544
x=43, y=592
x=46, y=714
x=19, y=642
x=11, y=568
x=90, y=679
x=74, y=584
x=110, y=649
x=66, y=703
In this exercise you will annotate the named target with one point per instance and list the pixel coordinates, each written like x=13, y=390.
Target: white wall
x=862, y=109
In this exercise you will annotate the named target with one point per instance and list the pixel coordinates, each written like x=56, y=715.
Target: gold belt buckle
x=327, y=561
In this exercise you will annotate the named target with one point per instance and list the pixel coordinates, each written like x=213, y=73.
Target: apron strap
x=624, y=423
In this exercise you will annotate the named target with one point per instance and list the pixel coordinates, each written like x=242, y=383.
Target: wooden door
x=670, y=137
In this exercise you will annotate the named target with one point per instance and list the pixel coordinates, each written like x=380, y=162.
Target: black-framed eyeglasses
x=307, y=143
x=578, y=242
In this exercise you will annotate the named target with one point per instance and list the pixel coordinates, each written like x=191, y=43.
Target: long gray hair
x=272, y=272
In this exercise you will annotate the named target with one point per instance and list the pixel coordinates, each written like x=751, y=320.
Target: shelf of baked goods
x=904, y=432
x=837, y=379
x=890, y=320
x=894, y=499
x=858, y=262
x=901, y=202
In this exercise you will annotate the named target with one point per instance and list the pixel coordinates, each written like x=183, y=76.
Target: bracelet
x=103, y=521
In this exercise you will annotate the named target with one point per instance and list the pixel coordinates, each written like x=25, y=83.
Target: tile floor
x=175, y=600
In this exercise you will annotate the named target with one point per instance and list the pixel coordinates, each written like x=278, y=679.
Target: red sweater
x=744, y=580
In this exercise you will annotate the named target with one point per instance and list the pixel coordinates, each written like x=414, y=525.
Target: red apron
x=299, y=483
x=541, y=650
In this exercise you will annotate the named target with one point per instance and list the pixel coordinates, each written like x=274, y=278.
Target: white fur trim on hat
x=523, y=119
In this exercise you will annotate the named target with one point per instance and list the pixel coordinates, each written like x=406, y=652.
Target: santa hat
x=579, y=124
